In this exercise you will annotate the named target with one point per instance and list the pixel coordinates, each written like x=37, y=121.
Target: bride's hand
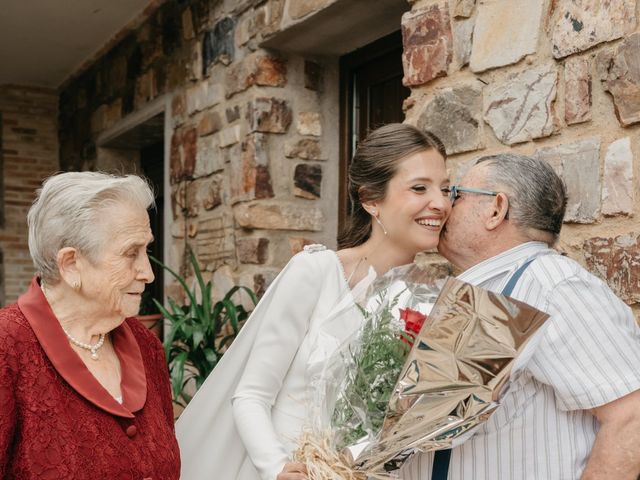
x=293, y=471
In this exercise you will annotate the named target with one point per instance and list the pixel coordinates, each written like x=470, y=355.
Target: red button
x=131, y=431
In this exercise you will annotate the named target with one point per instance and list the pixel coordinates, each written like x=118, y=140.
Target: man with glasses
x=572, y=410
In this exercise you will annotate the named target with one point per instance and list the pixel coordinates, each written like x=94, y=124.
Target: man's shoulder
x=554, y=269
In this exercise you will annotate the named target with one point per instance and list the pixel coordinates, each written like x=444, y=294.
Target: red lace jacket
x=58, y=422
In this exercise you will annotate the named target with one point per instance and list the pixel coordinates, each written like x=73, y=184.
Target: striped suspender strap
x=442, y=457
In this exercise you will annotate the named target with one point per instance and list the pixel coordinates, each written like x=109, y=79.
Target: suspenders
x=442, y=457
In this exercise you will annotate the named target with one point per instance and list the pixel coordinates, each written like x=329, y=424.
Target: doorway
x=137, y=145
x=371, y=95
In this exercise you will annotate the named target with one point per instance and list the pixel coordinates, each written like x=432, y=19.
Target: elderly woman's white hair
x=67, y=210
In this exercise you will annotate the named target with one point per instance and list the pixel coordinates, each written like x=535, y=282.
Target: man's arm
x=616, y=451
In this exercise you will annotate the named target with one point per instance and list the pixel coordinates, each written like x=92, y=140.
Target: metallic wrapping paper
x=454, y=375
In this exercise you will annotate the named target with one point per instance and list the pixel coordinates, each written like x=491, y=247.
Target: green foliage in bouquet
x=200, y=332
x=377, y=363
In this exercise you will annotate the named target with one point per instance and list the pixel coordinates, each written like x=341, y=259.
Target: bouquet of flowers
x=420, y=374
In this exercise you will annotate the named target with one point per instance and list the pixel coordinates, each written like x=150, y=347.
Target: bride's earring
x=376, y=215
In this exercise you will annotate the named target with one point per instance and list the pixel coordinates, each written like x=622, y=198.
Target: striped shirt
x=586, y=355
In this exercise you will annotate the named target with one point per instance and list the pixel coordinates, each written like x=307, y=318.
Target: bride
x=244, y=420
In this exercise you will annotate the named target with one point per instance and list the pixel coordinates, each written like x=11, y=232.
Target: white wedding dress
x=266, y=373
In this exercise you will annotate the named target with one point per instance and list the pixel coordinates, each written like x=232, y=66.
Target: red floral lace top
x=58, y=422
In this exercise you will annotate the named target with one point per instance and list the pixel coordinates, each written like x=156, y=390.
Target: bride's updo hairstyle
x=373, y=166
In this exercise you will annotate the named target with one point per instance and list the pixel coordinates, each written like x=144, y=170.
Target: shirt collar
x=500, y=265
x=68, y=364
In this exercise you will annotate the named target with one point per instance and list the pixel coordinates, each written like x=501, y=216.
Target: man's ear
x=499, y=211
x=68, y=265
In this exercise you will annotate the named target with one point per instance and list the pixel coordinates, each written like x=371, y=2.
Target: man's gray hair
x=66, y=213
x=537, y=195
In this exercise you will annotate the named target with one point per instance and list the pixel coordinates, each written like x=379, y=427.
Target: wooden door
x=371, y=95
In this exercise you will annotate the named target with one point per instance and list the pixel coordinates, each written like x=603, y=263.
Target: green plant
x=200, y=332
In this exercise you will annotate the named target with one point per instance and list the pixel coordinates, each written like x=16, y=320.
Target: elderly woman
x=84, y=388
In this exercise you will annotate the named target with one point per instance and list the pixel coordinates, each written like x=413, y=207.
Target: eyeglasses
x=454, y=192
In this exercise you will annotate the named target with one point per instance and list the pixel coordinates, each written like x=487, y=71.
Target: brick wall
x=29, y=153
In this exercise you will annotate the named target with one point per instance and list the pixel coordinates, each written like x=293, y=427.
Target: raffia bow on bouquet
x=415, y=376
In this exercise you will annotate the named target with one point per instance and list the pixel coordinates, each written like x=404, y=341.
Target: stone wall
x=252, y=158
x=555, y=79
x=253, y=148
x=29, y=142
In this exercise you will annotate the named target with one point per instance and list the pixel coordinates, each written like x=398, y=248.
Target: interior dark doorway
x=152, y=165
x=371, y=95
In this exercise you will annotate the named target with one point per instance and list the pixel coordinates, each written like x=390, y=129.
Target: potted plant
x=199, y=332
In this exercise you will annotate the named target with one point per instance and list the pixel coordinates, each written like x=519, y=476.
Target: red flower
x=413, y=321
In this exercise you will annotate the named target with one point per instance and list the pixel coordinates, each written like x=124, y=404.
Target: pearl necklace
x=92, y=348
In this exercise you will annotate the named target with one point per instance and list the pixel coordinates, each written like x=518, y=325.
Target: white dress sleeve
x=283, y=325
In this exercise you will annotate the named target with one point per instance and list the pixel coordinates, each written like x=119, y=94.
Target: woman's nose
x=145, y=272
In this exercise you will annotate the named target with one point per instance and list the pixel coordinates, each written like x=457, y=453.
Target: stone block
x=617, y=191
x=195, y=64
x=268, y=115
x=454, y=115
x=118, y=74
x=313, y=75
x=427, y=44
x=463, y=40
x=307, y=181
x=203, y=194
x=230, y=136
x=188, y=32
x=249, y=174
x=97, y=119
x=210, y=122
x=582, y=24
x=297, y=244
x=515, y=24
x=204, y=95
x=463, y=8
x=305, y=148
x=218, y=44
x=520, y=108
x=146, y=88
x=178, y=228
x=178, y=109
x=209, y=159
x=309, y=123
x=578, y=164
x=252, y=250
x=261, y=281
x=577, y=90
x=106, y=116
x=302, y=8
x=189, y=150
x=256, y=69
x=619, y=70
x=214, y=242
x=178, y=199
x=232, y=152
x=232, y=113
x=274, y=12
x=278, y=216
x=183, y=153
x=616, y=260
x=250, y=25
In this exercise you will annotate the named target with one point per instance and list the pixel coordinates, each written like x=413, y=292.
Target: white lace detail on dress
x=314, y=247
